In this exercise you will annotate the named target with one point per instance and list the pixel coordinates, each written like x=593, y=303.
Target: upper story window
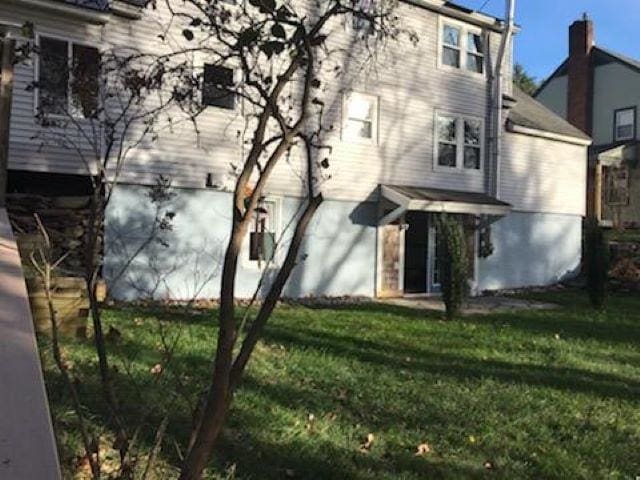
x=459, y=142
x=462, y=47
x=68, y=78
x=264, y=229
x=624, y=127
x=360, y=121
x=216, y=86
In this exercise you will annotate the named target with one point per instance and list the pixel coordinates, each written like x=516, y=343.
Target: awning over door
x=400, y=199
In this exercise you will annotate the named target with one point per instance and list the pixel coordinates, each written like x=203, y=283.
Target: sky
x=542, y=43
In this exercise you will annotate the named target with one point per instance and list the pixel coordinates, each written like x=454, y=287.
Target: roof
x=101, y=5
x=434, y=200
x=438, y=195
x=529, y=113
x=601, y=56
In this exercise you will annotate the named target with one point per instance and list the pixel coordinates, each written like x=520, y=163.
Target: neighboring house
x=410, y=148
x=598, y=91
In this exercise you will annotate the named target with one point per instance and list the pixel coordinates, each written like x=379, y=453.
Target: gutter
x=533, y=132
x=475, y=18
x=497, y=99
x=91, y=16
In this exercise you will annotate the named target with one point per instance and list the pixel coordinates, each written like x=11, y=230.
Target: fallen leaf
x=156, y=369
x=423, y=449
x=489, y=465
x=366, y=446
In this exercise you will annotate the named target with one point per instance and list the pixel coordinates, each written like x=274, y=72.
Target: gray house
x=598, y=91
x=433, y=143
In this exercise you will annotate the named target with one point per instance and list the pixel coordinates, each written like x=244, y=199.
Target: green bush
x=453, y=264
x=596, y=263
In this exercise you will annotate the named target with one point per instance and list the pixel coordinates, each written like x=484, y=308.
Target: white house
x=429, y=147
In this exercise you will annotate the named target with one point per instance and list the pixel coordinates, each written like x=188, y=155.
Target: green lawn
x=533, y=394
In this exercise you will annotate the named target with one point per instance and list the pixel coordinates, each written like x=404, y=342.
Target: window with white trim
x=459, y=142
x=462, y=48
x=624, y=124
x=68, y=78
x=263, y=233
x=360, y=121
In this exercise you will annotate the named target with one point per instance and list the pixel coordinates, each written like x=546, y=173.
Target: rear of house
x=408, y=149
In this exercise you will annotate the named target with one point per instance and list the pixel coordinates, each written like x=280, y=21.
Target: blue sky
x=542, y=43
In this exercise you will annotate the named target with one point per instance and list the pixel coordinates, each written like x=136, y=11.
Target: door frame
x=379, y=293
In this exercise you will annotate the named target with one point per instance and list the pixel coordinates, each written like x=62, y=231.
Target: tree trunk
x=226, y=372
x=218, y=399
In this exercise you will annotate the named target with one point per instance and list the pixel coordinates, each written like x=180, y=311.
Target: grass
x=532, y=394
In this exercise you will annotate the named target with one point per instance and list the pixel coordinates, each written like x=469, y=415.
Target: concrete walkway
x=27, y=445
x=474, y=306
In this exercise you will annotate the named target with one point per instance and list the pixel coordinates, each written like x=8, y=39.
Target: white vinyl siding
x=407, y=84
x=543, y=176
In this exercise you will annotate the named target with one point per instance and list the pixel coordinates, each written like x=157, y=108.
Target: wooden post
x=6, y=89
x=597, y=192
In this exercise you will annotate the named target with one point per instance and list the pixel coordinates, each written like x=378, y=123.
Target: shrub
x=453, y=264
x=596, y=263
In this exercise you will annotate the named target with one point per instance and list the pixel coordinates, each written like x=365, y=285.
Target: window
x=462, y=48
x=216, y=87
x=616, y=190
x=262, y=238
x=624, y=124
x=459, y=142
x=360, y=118
x=68, y=76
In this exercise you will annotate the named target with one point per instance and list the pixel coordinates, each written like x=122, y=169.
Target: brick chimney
x=580, y=91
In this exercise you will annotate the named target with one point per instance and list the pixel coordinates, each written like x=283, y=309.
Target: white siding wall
x=543, y=176
x=409, y=84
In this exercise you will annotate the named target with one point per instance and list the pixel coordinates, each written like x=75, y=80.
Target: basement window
x=217, y=89
x=68, y=78
x=624, y=124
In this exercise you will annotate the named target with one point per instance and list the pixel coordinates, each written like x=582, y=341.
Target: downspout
x=498, y=91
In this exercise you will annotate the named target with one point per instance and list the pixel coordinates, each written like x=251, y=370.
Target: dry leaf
x=156, y=369
x=423, y=449
x=489, y=465
x=366, y=446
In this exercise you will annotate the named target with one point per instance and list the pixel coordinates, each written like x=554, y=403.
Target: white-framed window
x=461, y=47
x=624, y=124
x=264, y=233
x=360, y=118
x=67, y=78
x=458, y=142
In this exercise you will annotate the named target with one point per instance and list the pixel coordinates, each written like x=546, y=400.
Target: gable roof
x=601, y=56
x=529, y=113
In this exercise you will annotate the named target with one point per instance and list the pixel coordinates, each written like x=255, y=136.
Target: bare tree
x=100, y=107
x=286, y=53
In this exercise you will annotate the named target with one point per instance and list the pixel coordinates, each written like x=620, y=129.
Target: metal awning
x=407, y=198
